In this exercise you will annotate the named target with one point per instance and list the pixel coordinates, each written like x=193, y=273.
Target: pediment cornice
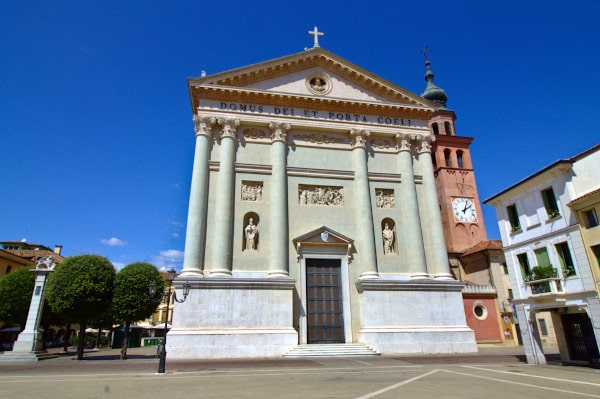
x=316, y=57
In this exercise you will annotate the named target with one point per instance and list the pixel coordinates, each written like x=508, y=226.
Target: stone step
x=331, y=350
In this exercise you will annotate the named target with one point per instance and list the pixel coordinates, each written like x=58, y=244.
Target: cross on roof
x=315, y=33
x=426, y=52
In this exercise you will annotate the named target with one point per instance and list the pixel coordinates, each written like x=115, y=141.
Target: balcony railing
x=543, y=286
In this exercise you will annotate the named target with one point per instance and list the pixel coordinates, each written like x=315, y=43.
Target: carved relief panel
x=252, y=190
x=320, y=195
x=384, y=198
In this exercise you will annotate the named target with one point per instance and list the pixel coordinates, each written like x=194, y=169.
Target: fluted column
x=222, y=242
x=279, y=260
x=364, y=212
x=415, y=250
x=436, y=255
x=195, y=236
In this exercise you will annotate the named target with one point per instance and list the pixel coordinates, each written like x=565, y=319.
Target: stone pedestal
x=416, y=316
x=234, y=318
x=28, y=346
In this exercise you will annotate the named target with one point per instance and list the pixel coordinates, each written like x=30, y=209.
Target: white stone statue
x=251, y=233
x=388, y=240
x=46, y=263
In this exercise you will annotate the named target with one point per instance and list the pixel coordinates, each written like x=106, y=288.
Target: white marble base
x=230, y=343
x=234, y=318
x=418, y=316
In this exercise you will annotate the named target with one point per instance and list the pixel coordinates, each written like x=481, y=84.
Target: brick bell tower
x=455, y=177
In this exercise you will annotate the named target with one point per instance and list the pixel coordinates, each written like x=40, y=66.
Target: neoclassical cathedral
x=314, y=217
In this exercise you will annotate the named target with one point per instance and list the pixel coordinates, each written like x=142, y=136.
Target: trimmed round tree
x=81, y=289
x=16, y=289
x=131, y=301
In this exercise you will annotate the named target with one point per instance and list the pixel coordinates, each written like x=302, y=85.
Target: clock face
x=464, y=209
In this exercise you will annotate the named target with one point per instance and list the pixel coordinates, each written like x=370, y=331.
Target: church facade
x=314, y=216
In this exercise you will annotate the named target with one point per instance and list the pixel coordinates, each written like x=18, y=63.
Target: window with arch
x=250, y=232
x=436, y=129
x=447, y=157
x=388, y=235
x=459, y=158
x=448, y=128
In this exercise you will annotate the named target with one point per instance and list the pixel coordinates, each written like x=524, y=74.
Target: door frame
x=347, y=314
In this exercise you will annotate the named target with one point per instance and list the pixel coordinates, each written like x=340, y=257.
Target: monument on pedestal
x=28, y=346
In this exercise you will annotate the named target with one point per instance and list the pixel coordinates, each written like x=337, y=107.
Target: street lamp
x=167, y=295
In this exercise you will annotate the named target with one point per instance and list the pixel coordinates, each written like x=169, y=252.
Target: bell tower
x=455, y=177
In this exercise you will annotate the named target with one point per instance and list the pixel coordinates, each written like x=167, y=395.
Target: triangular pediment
x=314, y=73
x=323, y=236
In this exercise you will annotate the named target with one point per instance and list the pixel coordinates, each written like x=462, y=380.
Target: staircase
x=331, y=350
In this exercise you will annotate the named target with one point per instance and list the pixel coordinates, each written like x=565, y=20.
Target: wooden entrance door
x=324, y=305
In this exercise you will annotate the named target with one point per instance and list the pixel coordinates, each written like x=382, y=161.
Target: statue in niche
x=251, y=234
x=388, y=240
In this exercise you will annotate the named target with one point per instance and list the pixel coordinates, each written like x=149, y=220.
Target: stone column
x=29, y=340
x=222, y=242
x=195, y=236
x=415, y=251
x=434, y=241
x=279, y=260
x=532, y=343
x=364, y=212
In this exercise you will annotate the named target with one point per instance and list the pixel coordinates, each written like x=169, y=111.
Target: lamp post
x=167, y=295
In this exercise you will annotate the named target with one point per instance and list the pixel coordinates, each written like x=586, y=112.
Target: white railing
x=546, y=286
x=478, y=289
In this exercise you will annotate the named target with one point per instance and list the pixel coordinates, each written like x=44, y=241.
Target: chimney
x=57, y=249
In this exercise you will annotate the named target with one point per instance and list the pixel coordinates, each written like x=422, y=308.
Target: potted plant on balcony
x=542, y=272
x=553, y=213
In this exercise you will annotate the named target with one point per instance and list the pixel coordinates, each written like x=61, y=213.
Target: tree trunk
x=98, y=337
x=81, y=341
x=125, y=341
x=67, y=337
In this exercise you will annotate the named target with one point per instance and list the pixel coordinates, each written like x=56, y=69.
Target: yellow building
x=10, y=262
x=587, y=209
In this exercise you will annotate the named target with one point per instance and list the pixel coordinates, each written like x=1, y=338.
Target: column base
x=191, y=273
x=369, y=275
x=443, y=276
x=219, y=273
x=419, y=276
x=278, y=273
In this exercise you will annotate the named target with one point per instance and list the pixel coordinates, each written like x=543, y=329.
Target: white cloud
x=113, y=242
x=167, y=259
x=175, y=234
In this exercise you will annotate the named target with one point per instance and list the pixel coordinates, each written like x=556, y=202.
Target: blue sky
x=96, y=132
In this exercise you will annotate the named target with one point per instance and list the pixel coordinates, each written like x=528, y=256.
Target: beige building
x=587, y=209
x=314, y=217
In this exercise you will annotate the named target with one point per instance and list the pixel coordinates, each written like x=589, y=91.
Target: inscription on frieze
x=320, y=195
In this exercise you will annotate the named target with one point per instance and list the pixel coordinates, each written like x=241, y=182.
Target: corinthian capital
x=279, y=131
x=403, y=142
x=359, y=138
x=203, y=125
x=229, y=127
x=423, y=143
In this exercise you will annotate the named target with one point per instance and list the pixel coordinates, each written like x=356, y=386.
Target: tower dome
x=432, y=92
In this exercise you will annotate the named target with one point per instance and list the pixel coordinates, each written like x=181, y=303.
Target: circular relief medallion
x=318, y=84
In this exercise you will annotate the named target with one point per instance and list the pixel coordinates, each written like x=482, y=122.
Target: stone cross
x=315, y=33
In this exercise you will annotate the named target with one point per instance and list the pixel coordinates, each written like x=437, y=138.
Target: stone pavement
x=494, y=372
